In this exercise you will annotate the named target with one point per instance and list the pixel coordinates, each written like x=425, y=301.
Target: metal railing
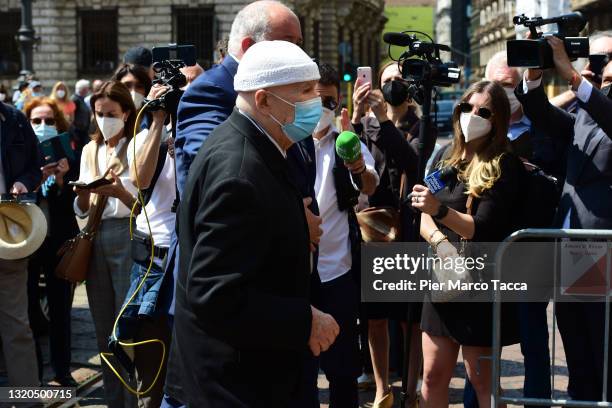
x=556, y=234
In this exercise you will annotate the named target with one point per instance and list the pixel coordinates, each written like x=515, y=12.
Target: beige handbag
x=382, y=224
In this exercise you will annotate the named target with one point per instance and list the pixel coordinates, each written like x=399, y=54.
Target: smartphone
x=364, y=75
x=102, y=181
x=185, y=53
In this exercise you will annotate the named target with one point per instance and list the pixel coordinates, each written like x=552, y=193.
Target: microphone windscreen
x=399, y=39
x=348, y=146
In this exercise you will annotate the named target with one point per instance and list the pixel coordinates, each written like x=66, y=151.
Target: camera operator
x=599, y=44
x=585, y=202
x=152, y=169
x=395, y=153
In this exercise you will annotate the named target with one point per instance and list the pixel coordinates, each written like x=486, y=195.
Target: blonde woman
x=61, y=96
x=488, y=177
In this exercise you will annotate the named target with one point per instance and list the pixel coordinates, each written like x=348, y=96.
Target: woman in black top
x=391, y=134
x=491, y=176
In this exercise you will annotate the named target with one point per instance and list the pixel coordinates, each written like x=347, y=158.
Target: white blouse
x=114, y=207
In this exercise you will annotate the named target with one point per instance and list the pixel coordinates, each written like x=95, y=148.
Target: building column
x=328, y=35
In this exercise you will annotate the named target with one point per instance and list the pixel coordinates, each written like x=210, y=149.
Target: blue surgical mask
x=37, y=94
x=44, y=132
x=307, y=115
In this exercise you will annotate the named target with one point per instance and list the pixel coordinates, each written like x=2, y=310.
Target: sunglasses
x=466, y=107
x=47, y=121
x=329, y=102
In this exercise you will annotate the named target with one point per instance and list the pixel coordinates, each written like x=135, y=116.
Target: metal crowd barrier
x=556, y=234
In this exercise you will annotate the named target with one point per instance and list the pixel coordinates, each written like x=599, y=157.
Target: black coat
x=587, y=191
x=21, y=157
x=243, y=317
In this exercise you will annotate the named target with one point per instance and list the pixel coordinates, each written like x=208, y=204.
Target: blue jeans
x=145, y=301
x=534, y=346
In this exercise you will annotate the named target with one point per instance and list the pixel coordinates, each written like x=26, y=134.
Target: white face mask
x=138, y=98
x=514, y=102
x=327, y=117
x=60, y=93
x=474, y=127
x=109, y=126
x=2, y=97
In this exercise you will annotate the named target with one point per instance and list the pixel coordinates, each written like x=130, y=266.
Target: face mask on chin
x=514, y=102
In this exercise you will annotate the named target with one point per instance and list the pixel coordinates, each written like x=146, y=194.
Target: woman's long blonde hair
x=484, y=169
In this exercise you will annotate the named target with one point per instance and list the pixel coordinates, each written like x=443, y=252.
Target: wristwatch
x=442, y=211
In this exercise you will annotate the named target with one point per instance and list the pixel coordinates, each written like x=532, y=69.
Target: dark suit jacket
x=21, y=157
x=206, y=103
x=587, y=192
x=243, y=315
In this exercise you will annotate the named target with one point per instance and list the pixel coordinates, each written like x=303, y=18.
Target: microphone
x=437, y=180
x=400, y=39
x=348, y=146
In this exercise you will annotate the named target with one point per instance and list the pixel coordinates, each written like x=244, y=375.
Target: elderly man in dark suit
x=585, y=202
x=243, y=318
x=19, y=173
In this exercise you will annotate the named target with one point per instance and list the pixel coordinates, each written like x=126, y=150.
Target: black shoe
x=66, y=381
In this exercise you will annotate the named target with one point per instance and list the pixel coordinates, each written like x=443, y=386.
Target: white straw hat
x=23, y=228
x=274, y=63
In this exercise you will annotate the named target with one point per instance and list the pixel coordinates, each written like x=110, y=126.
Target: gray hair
x=600, y=34
x=80, y=85
x=252, y=21
x=498, y=59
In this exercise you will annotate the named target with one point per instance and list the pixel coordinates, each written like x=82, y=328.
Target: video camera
x=167, y=62
x=536, y=52
x=427, y=67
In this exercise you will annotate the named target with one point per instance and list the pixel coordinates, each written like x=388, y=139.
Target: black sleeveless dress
x=470, y=324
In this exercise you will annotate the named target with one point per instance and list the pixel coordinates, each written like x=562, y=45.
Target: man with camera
x=585, y=201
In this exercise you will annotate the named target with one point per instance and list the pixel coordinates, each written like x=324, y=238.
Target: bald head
x=498, y=70
x=263, y=20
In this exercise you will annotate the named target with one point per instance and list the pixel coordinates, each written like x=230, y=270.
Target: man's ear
x=262, y=102
x=246, y=43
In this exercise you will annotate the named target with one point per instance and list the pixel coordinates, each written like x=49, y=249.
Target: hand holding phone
x=102, y=181
x=364, y=75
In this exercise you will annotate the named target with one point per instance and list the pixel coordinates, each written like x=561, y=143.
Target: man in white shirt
x=334, y=289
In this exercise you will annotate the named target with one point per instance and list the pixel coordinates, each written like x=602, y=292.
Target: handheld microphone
x=437, y=180
x=348, y=146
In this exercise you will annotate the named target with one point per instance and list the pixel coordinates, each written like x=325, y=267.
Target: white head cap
x=274, y=63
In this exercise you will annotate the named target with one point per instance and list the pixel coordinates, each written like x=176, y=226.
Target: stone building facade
x=87, y=38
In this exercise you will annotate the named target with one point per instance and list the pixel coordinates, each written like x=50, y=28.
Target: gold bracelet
x=435, y=244
x=433, y=233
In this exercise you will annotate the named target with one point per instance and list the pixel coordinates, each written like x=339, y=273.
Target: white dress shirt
x=335, y=246
x=114, y=207
x=583, y=93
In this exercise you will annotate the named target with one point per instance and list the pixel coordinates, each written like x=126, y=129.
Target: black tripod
x=424, y=136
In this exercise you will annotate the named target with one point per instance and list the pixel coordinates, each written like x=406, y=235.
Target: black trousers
x=582, y=328
x=59, y=297
x=341, y=362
